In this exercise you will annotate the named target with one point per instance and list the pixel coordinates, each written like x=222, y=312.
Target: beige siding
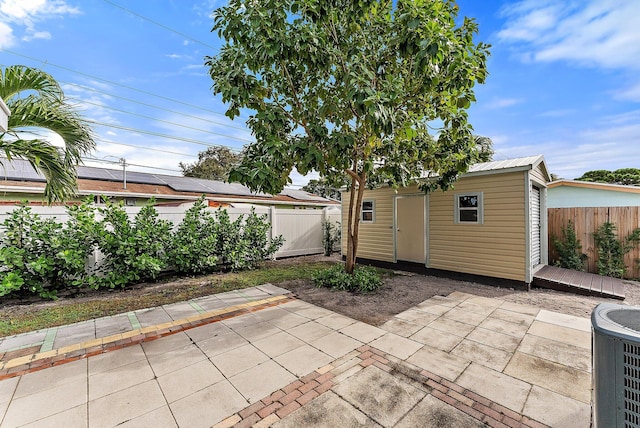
x=376, y=239
x=539, y=174
x=495, y=248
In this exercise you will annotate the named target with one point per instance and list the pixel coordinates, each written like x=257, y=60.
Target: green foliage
x=213, y=164
x=625, y=176
x=611, y=250
x=331, y=233
x=351, y=89
x=133, y=251
x=325, y=187
x=568, y=248
x=365, y=279
x=255, y=234
x=194, y=246
x=36, y=100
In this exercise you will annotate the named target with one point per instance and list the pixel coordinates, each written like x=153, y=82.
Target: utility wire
x=153, y=118
x=152, y=106
x=171, y=137
x=159, y=24
x=145, y=148
x=130, y=164
x=111, y=82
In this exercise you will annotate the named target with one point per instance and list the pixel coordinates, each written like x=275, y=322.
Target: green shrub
x=231, y=248
x=568, y=248
x=364, y=279
x=330, y=236
x=611, y=250
x=132, y=251
x=255, y=234
x=194, y=246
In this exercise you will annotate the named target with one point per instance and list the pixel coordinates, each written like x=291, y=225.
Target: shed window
x=469, y=208
x=368, y=211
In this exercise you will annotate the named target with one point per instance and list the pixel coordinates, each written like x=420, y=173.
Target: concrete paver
x=521, y=362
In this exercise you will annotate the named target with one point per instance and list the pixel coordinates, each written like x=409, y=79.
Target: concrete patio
x=260, y=357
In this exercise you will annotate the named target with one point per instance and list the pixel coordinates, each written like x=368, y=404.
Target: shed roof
x=508, y=165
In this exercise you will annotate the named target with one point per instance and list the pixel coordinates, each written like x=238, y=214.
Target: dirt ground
x=403, y=291
x=400, y=292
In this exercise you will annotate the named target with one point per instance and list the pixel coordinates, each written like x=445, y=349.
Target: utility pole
x=123, y=162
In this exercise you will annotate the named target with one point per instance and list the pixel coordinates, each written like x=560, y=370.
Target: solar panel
x=301, y=195
x=20, y=170
x=185, y=184
x=143, y=178
x=92, y=173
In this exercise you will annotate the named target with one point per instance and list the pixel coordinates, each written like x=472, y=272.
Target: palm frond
x=58, y=117
x=19, y=78
x=47, y=159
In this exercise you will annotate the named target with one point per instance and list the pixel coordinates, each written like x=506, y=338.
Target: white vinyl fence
x=301, y=229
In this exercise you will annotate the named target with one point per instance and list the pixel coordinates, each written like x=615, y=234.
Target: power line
x=111, y=82
x=152, y=106
x=130, y=164
x=145, y=148
x=171, y=137
x=158, y=24
x=153, y=118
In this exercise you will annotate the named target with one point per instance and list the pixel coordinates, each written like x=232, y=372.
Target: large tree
x=37, y=103
x=626, y=176
x=213, y=164
x=376, y=90
x=324, y=187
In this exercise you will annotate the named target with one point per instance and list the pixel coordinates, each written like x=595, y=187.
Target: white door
x=535, y=226
x=410, y=229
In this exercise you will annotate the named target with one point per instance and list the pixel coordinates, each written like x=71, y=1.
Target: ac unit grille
x=631, y=363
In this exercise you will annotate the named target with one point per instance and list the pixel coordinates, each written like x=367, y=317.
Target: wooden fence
x=301, y=229
x=586, y=221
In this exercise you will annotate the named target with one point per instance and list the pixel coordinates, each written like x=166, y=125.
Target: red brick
x=512, y=422
x=311, y=376
x=367, y=362
x=267, y=410
x=251, y=409
x=430, y=375
x=292, y=396
x=325, y=377
x=273, y=397
x=378, y=352
x=292, y=386
x=453, y=386
x=249, y=422
x=308, y=387
x=307, y=397
x=381, y=366
x=468, y=410
x=507, y=412
x=435, y=385
x=494, y=424
x=443, y=397
x=365, y=355
x=531, y=423
x=461, y=398
x=478, y=398
x=381, y=359
x=487, y=411
x=324, y=387
x=364, y=348
x=289, y=408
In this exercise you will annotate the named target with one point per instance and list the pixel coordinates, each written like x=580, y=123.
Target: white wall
x=302, y=229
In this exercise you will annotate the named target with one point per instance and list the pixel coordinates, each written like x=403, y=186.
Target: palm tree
x=36, y=101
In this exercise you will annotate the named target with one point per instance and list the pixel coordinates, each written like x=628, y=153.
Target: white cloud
x=502, y=103
x=26, y=15
x=597, y=33
x=631, y=93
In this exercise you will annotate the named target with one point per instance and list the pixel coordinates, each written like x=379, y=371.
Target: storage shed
x=491, y=227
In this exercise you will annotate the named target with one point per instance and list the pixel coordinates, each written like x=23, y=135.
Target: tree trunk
x=355, y=208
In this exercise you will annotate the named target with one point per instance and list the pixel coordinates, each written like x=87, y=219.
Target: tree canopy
x=36, y=101
x=322, y=187
x=626, y=176
x=213, y=164
x=373, y=90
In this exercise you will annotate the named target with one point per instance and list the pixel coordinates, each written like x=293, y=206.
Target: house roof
x=508, y=165
x=17, y=173
x=592, y=185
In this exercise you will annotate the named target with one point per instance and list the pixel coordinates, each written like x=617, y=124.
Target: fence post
x=272, y=220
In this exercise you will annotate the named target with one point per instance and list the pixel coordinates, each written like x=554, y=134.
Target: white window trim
x=373, y=211
x=480, y=208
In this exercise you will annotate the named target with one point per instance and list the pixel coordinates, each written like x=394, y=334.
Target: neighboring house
x=574, y=193
x=19, y=181
x=491, y=227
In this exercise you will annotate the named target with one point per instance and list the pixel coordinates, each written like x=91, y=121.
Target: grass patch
x=107, y=303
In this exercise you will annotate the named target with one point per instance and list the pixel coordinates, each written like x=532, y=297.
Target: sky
x=563, y=80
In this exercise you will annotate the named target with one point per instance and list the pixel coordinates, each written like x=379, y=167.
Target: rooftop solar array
x=21, y=170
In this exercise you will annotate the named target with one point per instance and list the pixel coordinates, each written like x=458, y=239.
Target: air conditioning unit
x=616, y=366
